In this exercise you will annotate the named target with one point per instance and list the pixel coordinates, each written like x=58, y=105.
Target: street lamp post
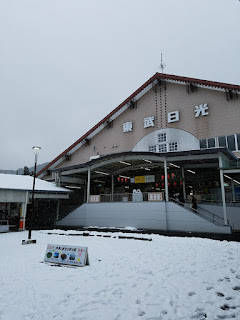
x=36, y=150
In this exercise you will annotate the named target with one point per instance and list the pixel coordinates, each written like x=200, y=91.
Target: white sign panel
x=155, y=196
x=94, y=198
x=69, y=255
x=150, y=178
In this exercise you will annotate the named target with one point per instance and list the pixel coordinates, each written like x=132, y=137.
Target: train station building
x=140, y=166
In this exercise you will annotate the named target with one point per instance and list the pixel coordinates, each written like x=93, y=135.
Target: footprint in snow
x=201, y=315
x=236, y=288
x=141, y=313
x=228, y=298
x=227, y=307
x=209, y=288
x=220, y=294
x=190, y=294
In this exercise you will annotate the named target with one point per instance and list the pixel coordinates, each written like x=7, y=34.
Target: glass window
x=231, y=142
x=162, y=137
x=222, y=141
x=152, y=149
x=238, y=141
x=203, y=144
x=211, y=143
x=163, y=148
x=173, y=146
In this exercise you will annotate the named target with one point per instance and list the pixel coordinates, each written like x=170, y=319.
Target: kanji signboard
x=65, y=254
x=155, y=196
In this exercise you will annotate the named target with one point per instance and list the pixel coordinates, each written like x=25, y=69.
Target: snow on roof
x=21, y=182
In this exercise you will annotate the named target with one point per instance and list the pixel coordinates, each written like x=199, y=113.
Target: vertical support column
x=88, y=184
x=57, y=179
x=166, y=179
x=233, y=191
x=223, y=190
x=20, y=225
x=57, y=213
x=112, y=188
x=223, y=197
x=23, y=213
x=184, y=184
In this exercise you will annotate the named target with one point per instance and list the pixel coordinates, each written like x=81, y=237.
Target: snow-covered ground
x=167, y=278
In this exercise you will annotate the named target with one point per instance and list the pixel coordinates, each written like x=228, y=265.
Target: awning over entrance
x=118, y=163
x=127, y=164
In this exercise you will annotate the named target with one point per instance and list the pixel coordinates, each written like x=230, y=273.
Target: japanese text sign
x=155, y=196
x=68, y=255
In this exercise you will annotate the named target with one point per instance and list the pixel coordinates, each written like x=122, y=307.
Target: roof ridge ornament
x=162, y=64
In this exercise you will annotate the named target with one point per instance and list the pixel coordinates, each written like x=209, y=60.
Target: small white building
x=16, y=194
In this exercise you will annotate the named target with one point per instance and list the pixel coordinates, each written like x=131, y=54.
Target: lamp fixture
x=147, y=161
x=174, y=165
x=236, y=181
x=124, y=177
x=100, y=172
x=123, y=162
x=227, y=177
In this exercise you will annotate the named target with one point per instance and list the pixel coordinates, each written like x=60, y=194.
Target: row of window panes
x=161, y=148
x=162, y=137
x=232, y=142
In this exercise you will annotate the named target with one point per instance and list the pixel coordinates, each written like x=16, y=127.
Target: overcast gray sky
x=65, y=64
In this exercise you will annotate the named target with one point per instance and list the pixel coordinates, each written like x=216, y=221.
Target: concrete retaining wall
x=166, y=216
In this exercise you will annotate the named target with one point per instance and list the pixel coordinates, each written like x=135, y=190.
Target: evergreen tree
x=26, y=171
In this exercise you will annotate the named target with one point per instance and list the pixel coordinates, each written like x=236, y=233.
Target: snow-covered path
x=167, y=278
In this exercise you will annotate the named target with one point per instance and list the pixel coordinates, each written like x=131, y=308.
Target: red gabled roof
x=157, y=76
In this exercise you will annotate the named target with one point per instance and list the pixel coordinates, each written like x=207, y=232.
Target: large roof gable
x=135, y=96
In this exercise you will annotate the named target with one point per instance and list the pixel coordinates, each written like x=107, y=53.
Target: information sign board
x=155, y=196
x=144, y=179
x=94, y=198
x=68, y=255
x=150, y=178
x=140, y=179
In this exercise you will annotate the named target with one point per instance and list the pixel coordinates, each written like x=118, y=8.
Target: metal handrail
x=212, y=217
